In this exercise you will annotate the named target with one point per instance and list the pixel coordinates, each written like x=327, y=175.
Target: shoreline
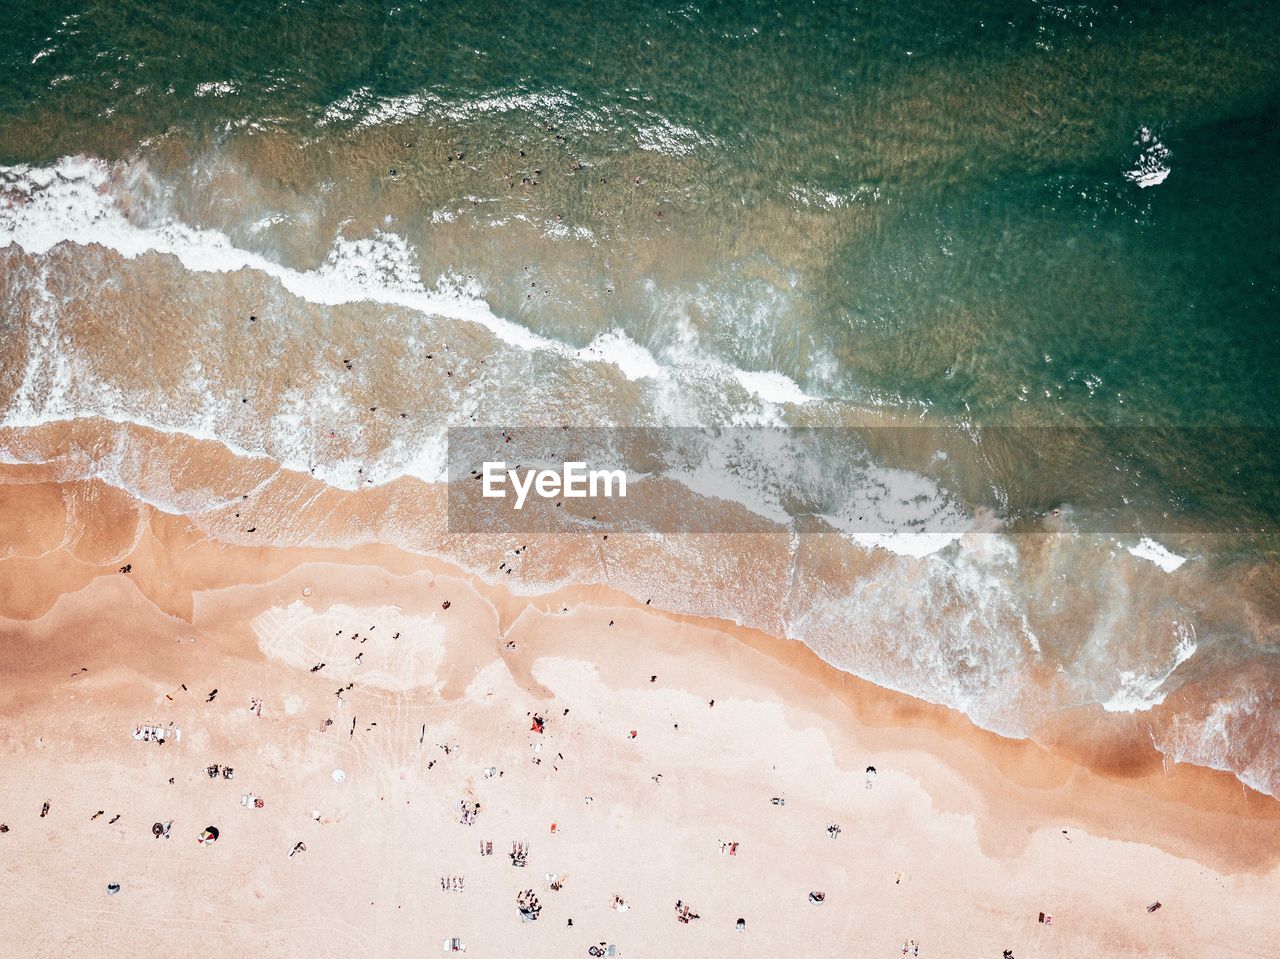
x=964, y=838
x=1115, y=761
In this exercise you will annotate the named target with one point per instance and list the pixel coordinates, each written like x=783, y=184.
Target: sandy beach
x=370, y=697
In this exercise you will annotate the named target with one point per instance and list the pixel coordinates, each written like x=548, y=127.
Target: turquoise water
x=929, y=193
x=1060, y=216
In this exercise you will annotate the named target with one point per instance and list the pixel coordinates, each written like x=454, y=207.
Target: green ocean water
x=980, y=249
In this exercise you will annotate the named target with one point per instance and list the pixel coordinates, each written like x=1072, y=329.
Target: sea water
x=1029, y=251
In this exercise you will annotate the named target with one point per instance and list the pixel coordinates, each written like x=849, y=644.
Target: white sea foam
x=267, y=222
x=1140, y=690
x=1238, y=732
x=900, y=511
x=879, y=507
x=219, y=88
x=59, y=386
x=73, y=202
x=1153, y=552
x=540, y=103
x=771, y=386
x=1152, y=165
x=949, y=628
x=743, y=467
x=661, y=135
x=745, y=318
x=905, y=544
x=363, y=107
x=366, y=109
x=812, y=196
x=626, y=354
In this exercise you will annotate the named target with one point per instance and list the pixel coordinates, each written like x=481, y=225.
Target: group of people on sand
x=468, y=809
x=528, y=905
x=684, y=913
x=156, y=734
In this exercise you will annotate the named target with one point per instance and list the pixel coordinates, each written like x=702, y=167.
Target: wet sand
x=961, y=842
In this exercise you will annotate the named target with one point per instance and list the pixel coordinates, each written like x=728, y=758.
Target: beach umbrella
x=113, y=888
x=210, y=834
